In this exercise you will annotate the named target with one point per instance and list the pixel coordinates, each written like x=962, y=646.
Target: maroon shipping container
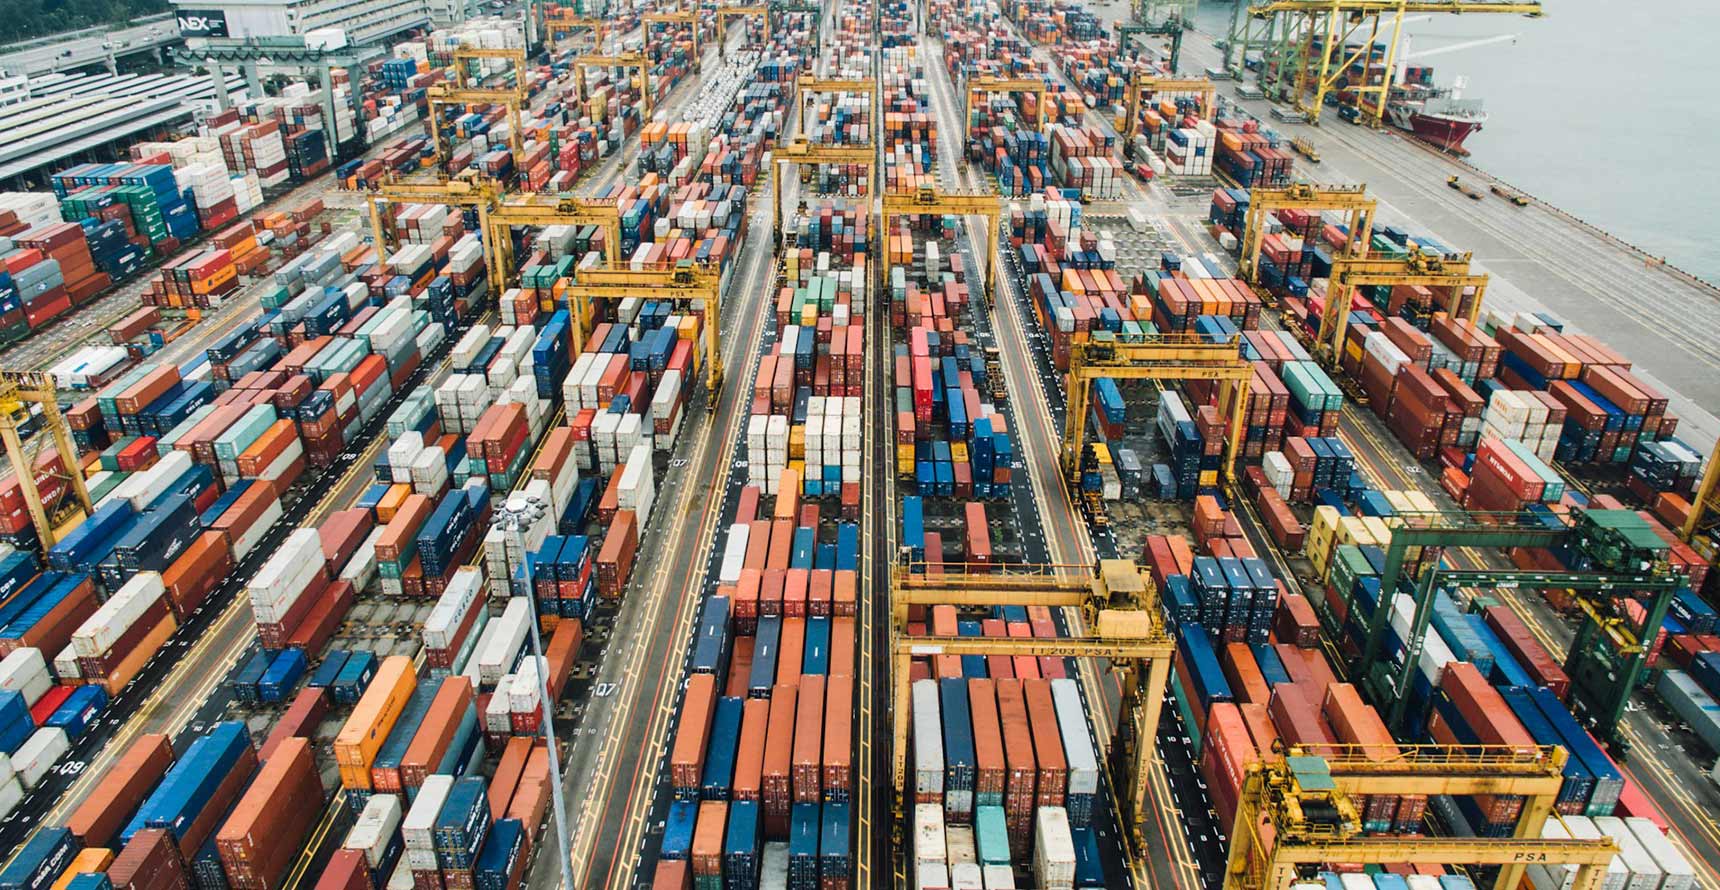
x=808, y=740
x=436, y=733
x=1536, y=661
x=1295, y=622
x=347, y=870
x=262, y=837
x=1296, y=715
x=1053, y=781
x=149, y=862
x=97, y=821
x=342, y=532
x=300, y=720
x=672, y=875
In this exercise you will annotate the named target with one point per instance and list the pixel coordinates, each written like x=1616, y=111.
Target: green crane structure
x=1609, y=656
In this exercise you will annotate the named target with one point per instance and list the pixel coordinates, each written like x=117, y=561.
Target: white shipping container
x=734, y=554
x=526, y=690
x=932, y=876
x=113, y=618
x=360, y=570
x=1676, y=870
x=929, y=843
x=38, y=754
x=1077, y=743
x=966, y=876
x=25, y=672
x=401, y=453
x=928, y=739
x=1053, y=849
x=1584, y=829
x=375, y=828
x=420, y=821
x=999, y=877
x=499, y=655
x=248, y=539
x=496, y=713
x=451, y=607
x=278, y=584
x=66, y=663
x=1644, y=873
x=141, y=488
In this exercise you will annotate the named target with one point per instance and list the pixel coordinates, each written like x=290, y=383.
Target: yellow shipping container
x=374, y=715
x=93, y=861
x=904, y=460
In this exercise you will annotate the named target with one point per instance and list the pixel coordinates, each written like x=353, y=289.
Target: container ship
x=1436, y=115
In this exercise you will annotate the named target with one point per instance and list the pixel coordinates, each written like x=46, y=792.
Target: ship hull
x=1444, y=133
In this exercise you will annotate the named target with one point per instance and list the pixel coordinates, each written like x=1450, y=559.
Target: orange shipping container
x=436, y=733
x=262, y=836
x=698, y=708
x=374, y=715
x=97, y=821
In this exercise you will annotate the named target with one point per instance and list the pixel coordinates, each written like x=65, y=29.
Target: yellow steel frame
x=724, y=13
x=1109, y=595
x=1155, y=357
x=1143, y=84
x=1705, y=501
x=683, y=284
x=548, y=210
x=569, y=25
x=1337, y=20
x=18, y=391
x=1351, y=272
x=801, y=152
x=927, y=200
x=1262, y=200
x=1274, y=797
x=440, y=95
x=809, y=84
x=481, y=194
x=688, y=18
x=978, y=85
x=623, y=61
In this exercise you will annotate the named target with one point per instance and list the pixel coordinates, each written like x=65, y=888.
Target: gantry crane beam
x=569, y=25
x=985, y=85
x=481, y=194
x=724, y=13
x=1351, y=200
x=1335, y=21
x=1121, y=607
x=683, y=284
x=441, y=95
x=464, y=54
x=927, y=200
x=1156, y=357
x=1298, y=812
x=624, y=61
x=1350, y=272
x=800, y=152
x=18, y=391
x=1141, y=85
x=689, y=18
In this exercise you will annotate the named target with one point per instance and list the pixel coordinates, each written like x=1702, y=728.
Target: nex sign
x=199, y=23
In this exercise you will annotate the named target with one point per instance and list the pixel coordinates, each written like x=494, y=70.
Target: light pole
x=520, y=579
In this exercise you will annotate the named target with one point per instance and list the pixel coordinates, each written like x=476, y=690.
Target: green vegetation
x=25, y=19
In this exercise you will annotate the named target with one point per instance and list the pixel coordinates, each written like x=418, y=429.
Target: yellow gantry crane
x=724, y=13
x=1703, y=505
x=1154, y=357
x=547, y=210
x=683, y=284
x=810, y=86
x=1350, y=200
x=1120, y=608
x=690, y=18
x=18, y=392
x=986, y=85
x=440, y=95
x=1350, y=272
x=927, y=201
x=1325, y=69
x=569, y=26
x=1143, y=85
x=1297, y=814
x=803, y=153
x=464, y=54
x=480, y=193
x=624, y=61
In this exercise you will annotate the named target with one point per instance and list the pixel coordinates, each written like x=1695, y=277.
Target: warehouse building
x=364, y=21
